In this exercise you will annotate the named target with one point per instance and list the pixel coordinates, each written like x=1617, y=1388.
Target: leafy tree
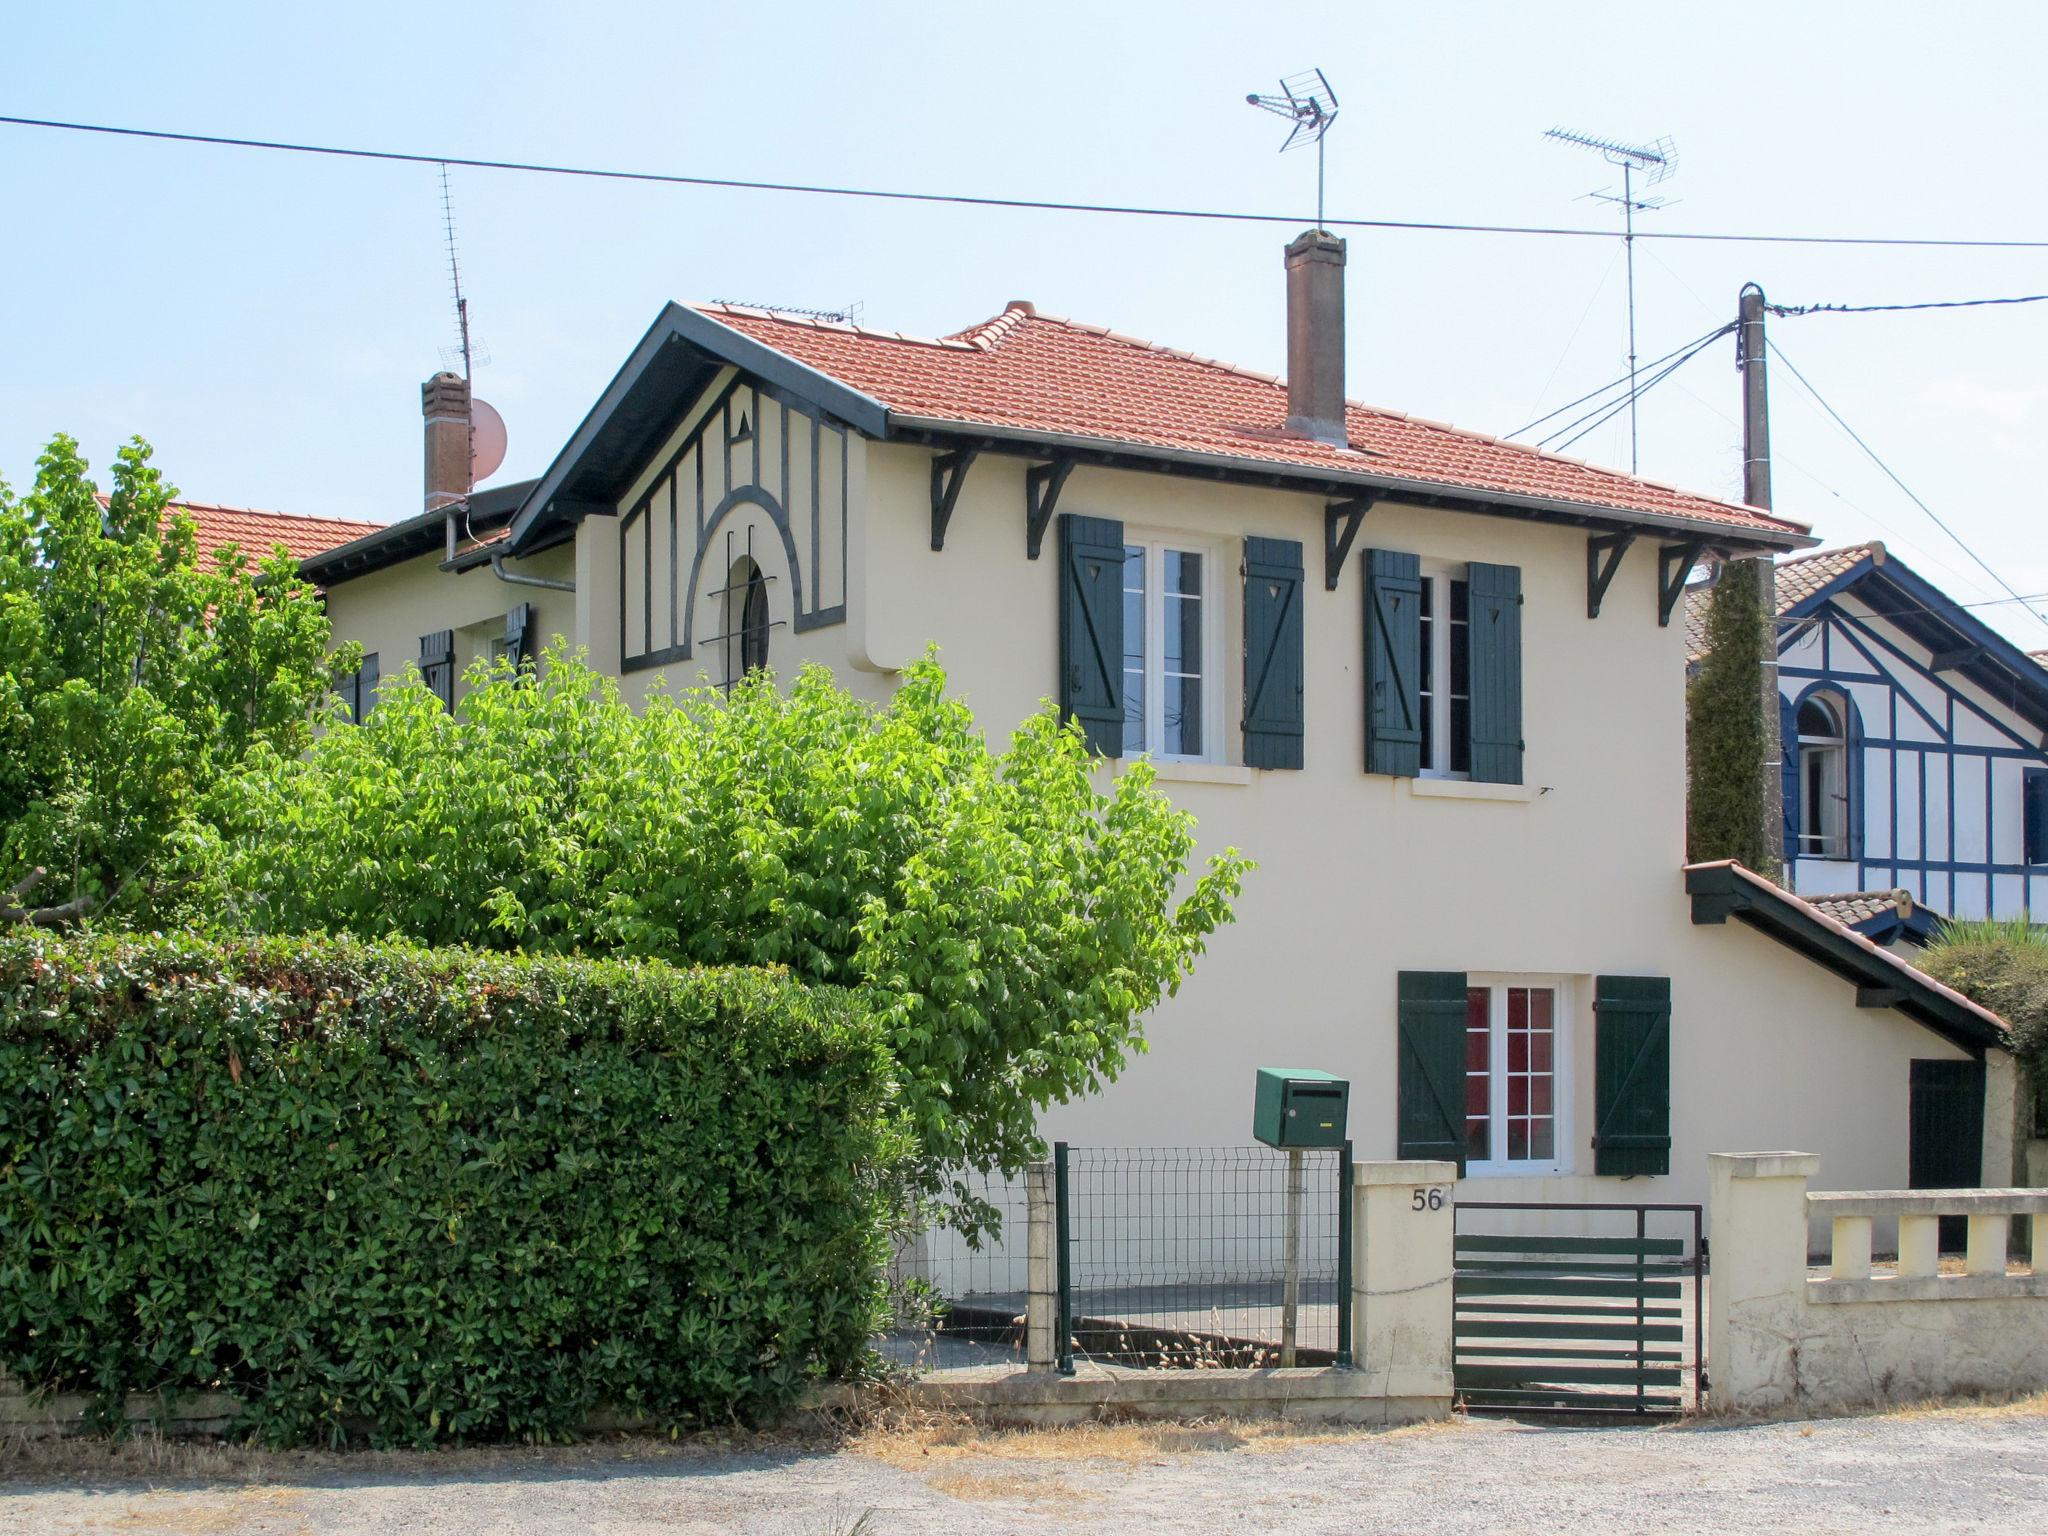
x=1728, y=735
x=2004, y=966
x=134, y=670
x=1009, y=922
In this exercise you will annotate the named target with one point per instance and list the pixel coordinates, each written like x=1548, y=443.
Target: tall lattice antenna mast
x=1653, y=163
x=455, y=280
x=1307, y=101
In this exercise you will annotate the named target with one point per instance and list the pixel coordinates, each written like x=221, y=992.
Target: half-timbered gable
x=1915, y=740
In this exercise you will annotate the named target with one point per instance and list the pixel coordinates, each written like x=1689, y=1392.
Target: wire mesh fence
x=1179, y=1256
x=959, y=1301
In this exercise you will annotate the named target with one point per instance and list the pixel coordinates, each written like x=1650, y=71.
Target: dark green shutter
x=1272, y=653
x=1393, y=662
x=2034, y=813
x=1430, y=1079
x=1092, y=628
x=517, y=623
x=437, y=665
x=1632, y=1074
x=1495, y=593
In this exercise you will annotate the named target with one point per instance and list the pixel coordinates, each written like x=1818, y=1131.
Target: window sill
x=1172, y=772
x=1470, y=789
x=1516, y=1171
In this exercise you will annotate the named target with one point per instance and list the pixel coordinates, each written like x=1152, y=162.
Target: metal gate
x=1605, y=1317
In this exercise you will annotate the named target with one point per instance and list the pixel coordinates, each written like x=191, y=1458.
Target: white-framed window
x=1517, y=1074
x=1445, y=682
x=1173, y=671
x=1822, y=723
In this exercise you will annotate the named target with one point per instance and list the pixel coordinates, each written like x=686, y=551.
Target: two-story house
x=1915, y=739
x=1429, y=680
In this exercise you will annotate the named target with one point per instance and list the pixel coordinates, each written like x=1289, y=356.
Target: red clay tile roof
x=1029, y=372
x=254, y=532
x=1853, y=907
x=1798, y=577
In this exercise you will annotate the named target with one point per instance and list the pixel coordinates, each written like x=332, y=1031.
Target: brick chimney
x=444, y=401
x=1315, y=337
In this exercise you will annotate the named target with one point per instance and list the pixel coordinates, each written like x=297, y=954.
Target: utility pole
x=1756, y=490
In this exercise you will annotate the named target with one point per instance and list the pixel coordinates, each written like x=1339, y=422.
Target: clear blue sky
x=266, y=320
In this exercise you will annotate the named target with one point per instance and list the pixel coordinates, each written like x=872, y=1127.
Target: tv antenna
x=464, y=351
x=1654, y=163
x=1307, y=101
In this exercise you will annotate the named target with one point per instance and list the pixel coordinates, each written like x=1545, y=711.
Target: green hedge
x=423, y=1194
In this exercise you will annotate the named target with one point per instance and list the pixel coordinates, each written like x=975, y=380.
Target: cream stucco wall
x=389, y=610
x=1572, y=875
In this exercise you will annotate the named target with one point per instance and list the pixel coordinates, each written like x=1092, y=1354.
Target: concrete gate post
x=1041, y=1304
x=1402, y=1226
x=1756, y=1295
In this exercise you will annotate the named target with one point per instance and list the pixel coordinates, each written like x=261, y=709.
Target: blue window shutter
x=2034, y=813
x=1632, y=1074
x=1495, y=634
x=1092, y=628
x=367, y=678
x=1430, y=1075
x=1272, y=653
x=1788, y=778
x=517, y=623
x=349, y=690
x=1393, y=662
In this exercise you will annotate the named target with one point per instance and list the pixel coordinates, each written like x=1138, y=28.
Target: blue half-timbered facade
x=1915, y=741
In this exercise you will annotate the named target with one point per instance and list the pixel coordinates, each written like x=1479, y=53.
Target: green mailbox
x=1299, y=1107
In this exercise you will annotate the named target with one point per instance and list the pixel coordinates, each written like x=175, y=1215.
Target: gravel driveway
x=1959, y=1470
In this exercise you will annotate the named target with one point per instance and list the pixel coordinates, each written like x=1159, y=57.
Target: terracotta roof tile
x=1853, y=907
x=1030, y=372
x=255, y=532
x=1798, y=577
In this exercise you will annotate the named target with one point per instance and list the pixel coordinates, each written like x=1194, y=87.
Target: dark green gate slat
x=1521, y=1376
x=1507, y=1354
x=1586, y=1267
x=1560, y=1309
x=1500, y=1285
x=1530, y=1397
x=1488, y=1328
x=1487, y=1242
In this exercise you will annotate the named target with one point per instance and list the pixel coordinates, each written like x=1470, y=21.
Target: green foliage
x=427, y=1195
x=1730, y=739
x=2004, y=966
x=1009, y=923
x=134, y=670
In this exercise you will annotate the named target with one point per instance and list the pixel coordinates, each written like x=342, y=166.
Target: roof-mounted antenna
x=468, y=357
x=1653, y=163
x=1307, y=101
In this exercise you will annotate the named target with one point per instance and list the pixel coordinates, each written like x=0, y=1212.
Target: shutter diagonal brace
x=1255, y=692
x=1628, y=1078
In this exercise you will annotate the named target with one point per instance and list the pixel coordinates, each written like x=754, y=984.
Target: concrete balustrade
x=1782, y=1340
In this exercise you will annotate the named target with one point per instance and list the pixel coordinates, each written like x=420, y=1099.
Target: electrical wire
x=1618, y=383
x=1892, y=475
x=1609, y=412
x=961, y=199
x=1789, y=310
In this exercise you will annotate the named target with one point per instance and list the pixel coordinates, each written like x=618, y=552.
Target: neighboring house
x=1891, y=918
x=1915, y=739
x=257, y=533
x=1429, y=680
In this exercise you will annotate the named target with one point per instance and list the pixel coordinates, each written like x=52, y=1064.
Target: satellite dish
x=486, y=441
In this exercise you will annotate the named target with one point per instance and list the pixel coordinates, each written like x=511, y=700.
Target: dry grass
x=2030, y=1405
x=1013, y=1487
x=916, y=1446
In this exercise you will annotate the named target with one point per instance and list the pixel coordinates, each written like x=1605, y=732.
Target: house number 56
x=1428, y=1200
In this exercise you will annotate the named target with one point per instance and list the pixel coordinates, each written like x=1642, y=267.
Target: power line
x=961, y=199
x=1609, y=410
x=1891, y=475
x=1721, y=330
x=1877, y=309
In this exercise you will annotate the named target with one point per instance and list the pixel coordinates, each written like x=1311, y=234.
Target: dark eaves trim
x=1336, y=482
x=1725, y=889
x=421, y=534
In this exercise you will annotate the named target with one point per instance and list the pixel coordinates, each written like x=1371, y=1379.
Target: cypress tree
x=1728, y=737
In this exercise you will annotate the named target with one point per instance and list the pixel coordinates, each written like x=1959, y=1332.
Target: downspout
x=515, y=578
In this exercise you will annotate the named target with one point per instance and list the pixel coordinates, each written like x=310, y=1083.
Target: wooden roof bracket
x=1341, y=522
x=1042, y=486
x=949, y=472
x=1603, y=559
x=1674, y=564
